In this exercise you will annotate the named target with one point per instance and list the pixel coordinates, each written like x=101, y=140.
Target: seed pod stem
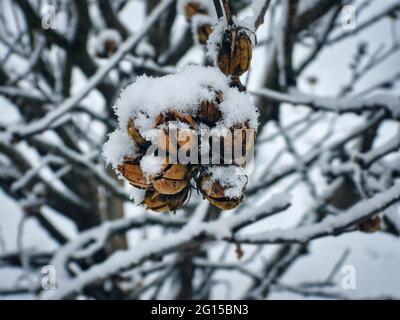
x=236, y=83
x=223, y=10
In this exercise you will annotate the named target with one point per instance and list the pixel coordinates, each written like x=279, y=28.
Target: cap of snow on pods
x=173, y=136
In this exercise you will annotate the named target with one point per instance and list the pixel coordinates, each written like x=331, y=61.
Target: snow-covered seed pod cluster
x=107, y=43
x=201, y=14
x=164, y=145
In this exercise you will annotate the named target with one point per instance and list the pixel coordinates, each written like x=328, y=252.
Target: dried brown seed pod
x=176, y=140
x=215, y=194
x=225, y=204
x=209, y=112
x=244, y=134
x=167, y=186
x=173, y=179
x=235, y=52
x=135, y=135
x=134, y=174
x=153, y=201
x=175, y=116
x=239, y=140
x=162, y=203
x=184, y=139
x=165, y=142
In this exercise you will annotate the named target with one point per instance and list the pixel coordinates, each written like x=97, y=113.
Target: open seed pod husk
x=174, y=178
x=176, y=140
x=209, y=112
x=235, y=144
x=215, y=194
x=163, y=203
x=241, y=139
x=235, y=52
x=187, y=141
x=136, y=136
x=167, y=141
x=175, y=116
x=170, y=140
x=134, y=174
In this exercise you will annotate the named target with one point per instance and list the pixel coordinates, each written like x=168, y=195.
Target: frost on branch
x=180, y=114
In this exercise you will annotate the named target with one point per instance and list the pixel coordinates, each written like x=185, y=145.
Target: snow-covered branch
x=390, y=103
x=331, y=226
x=120, y=261
x=126, y=47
